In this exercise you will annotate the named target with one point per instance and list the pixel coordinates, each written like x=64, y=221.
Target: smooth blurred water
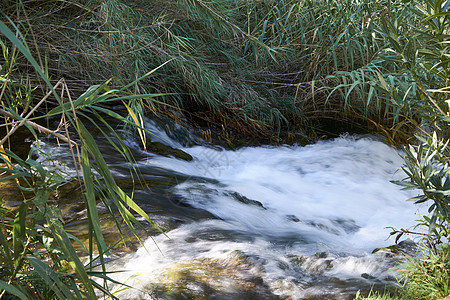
x=301, y=220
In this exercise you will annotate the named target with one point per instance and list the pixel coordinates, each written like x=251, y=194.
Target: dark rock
x=406, y=247
x=367, y=276
x=19, y=142
x=245, y=200
x=207, y=278
x=166, y=150
x=293, y=218
x=348, y=225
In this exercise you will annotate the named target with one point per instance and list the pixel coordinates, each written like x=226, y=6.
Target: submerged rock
x=233, y=277
x=246, y=200
x=312, y=265
x=367, y=276
x=166, y=150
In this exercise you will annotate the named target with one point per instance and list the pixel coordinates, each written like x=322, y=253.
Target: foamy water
x=304, y=219
x=275, y=203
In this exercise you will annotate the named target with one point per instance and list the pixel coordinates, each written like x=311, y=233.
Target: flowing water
x=285, y=222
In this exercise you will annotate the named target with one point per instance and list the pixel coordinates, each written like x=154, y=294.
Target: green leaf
x=66, y=246
x=50, y=278
x=13, y=290
x=441, y=14
x=90, y=199
x=19, y=230
x=406, y=184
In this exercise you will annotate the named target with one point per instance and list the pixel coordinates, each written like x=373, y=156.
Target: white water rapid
x=298, y=222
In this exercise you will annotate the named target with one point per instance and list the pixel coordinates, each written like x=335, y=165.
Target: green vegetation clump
x=428, y=278
x=255, y=67
x=375, y=296
x=420, y=50
x=38, y=255
x=421, y=279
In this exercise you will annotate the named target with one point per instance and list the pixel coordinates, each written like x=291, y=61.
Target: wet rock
x=10, y=194
x=69, y=190
x=296, y=260
x=166, y=150
x=233, y=277
x=348, y=225
x=20, y=141
x=324, y=227
x=367, y=276
x=293, y=218
x=312, y=265
x=321, y=255
x=406, y=247
x=245, y=200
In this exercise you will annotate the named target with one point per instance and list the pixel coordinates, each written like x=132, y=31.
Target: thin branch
x=11, y=132
x=38, y=128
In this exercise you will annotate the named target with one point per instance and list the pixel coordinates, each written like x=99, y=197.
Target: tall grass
x=39, y=259
x=326, y=55
x=249, y=65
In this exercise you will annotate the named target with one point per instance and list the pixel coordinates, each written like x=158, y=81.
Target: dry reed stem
x=16, y=126
x=40, y=128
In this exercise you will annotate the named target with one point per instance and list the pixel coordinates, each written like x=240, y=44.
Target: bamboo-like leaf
x=111, y=186
x=440, y=14
x=6, y=251
x=88, y=98
x=19, y=230
x=13, y=290
x=50, y=278
x=407, y=185
x=66, y=246
x=138, y=125
x=382, y=81
x=90, y=199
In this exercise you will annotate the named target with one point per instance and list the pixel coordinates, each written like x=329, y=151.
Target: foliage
x=421, y=50
x=427, y=170
x=428, y=278
x=249, y=65
x=38, y=255
x=375, y=296
x=421, y=279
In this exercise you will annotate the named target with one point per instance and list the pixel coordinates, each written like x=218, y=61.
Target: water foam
x=276, y=203
x=277, y=207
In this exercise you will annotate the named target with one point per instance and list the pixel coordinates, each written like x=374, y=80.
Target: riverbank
x=269, y=72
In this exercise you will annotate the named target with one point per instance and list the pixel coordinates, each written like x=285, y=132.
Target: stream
x=268, y=222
